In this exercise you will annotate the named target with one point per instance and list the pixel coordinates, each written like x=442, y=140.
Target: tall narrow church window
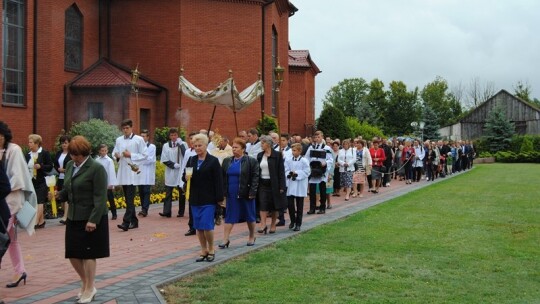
x=274, y=64
x=73, y=39
x=13, y=51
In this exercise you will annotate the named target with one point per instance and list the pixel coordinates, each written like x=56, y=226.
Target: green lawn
x=474, y=238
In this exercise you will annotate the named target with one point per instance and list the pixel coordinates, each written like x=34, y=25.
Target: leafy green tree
x=349, y=96
x=402, y=108
x=438, y=97
x=498, y=130
x=363, y=129
x=523, y=90
x=333, y=123
x=97, y=132
x=431, y=127
x=377, y=102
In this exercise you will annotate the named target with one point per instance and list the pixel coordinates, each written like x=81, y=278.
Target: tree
x=498, y=130
x=436, y=95
x=348, y=95
x=479, y=93
x=523, y=90
x=333, y=123
x=376, y=102
x=431, y=127
x=97, y=132
x=402, y=108
x=363, y=129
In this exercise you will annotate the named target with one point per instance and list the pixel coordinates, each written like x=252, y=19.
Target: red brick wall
x=51, y=75
x=206, y=37
x=207, y=43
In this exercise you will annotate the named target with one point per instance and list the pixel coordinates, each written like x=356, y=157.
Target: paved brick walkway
x=152, y=255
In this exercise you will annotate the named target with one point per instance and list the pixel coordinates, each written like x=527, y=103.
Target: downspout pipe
x=263, y=37
x=34, y=67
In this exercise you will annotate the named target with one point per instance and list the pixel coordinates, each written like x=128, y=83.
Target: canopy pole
x=233, y=102
x=212, y=119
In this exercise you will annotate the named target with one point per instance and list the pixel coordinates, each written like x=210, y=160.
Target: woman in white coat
x=346, y=160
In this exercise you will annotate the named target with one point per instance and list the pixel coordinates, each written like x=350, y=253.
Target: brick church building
x=69, y=61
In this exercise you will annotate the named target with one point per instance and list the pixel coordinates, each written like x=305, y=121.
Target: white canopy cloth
x=225, y=94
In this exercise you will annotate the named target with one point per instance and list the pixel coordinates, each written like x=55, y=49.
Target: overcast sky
x=414, y=41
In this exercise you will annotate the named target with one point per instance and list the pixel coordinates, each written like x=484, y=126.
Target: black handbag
x=4, y=240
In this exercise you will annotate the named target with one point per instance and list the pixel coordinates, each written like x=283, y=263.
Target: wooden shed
x=524, y=115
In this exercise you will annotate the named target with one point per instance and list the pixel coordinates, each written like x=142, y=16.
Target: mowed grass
x=474, y=238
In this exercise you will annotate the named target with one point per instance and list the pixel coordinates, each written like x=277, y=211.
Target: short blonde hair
x=35, y=138
x=202, y=138
x=296, y=146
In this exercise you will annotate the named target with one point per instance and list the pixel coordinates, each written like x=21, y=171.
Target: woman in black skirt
x=87, y=229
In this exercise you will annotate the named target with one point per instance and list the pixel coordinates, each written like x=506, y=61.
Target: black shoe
x=40, y=226
x=190, y=232
x=211, y=257
x=123, y=227
x=113, y=217
x=296, y=228
x=280, y=224
x=201, y=258
x=15, y=284
x=264, y=230
x=62, y=222
x=165, y=214
x=134, y=225
x=291, y=225
x=321, y=212
x=311, y=212
x=143, y=213
x=224, y=245
x=179, y=215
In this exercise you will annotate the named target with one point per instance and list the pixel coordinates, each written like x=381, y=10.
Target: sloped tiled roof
x=301, y=58
x=104, y=74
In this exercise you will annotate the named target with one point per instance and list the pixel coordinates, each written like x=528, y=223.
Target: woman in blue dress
x=241, y=180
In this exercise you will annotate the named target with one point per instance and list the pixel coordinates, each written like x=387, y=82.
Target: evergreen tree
x=498, y=130
x=431, y=127
x=333, y=123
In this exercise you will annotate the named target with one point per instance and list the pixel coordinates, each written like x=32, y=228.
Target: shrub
x=485, y=154
x=97, y=132
x=527, y=145
x=267, y=124
x=511, y=157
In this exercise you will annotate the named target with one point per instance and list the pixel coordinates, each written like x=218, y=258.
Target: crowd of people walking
x=255, y=179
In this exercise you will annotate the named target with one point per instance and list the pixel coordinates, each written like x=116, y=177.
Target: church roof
x=104, y=74
x=302, y=59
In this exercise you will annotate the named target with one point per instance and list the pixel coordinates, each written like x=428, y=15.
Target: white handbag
x=26, y=214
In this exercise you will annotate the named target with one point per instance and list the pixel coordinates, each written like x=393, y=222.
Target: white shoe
x=427, y=178
x=90, y=297
x=387, y=184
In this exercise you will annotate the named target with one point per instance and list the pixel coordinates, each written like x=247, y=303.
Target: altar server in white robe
x=172, y=157
x=297, y=172
x=129, y=151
